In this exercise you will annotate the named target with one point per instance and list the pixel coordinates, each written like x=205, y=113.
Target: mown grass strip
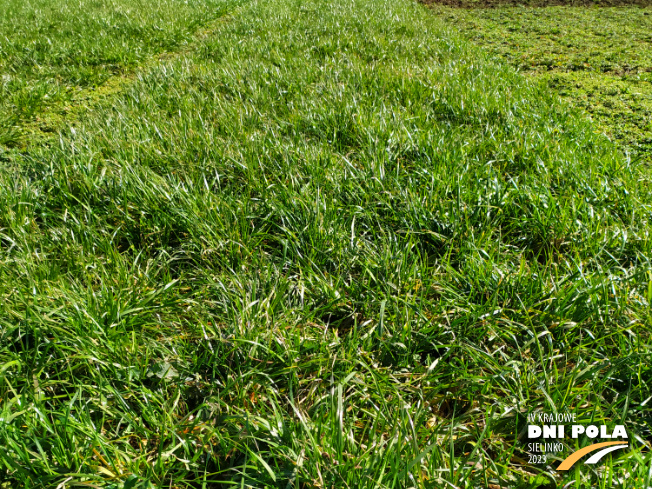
x=597, y=59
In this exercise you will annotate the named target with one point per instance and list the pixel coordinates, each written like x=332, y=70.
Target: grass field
x=598, y=59
x=324, y=245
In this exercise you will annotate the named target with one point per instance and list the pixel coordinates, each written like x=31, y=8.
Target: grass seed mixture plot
x=598, y=59
x=50, y=50
x=312, y=245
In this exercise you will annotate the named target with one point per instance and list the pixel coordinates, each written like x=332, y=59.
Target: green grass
x=50, y=50
x=598, y=59
x=330, y=245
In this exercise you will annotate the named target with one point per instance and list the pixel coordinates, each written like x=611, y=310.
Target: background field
x=326, y=244
x=50, y=50
x=598, y=59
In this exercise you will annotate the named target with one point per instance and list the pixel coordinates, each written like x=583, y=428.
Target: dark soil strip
x=537, y=3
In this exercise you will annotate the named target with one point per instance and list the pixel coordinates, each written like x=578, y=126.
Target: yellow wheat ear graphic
x=574, y=457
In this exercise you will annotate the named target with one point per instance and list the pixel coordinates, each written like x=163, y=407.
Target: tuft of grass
x=332, y=245
x=598, y=59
